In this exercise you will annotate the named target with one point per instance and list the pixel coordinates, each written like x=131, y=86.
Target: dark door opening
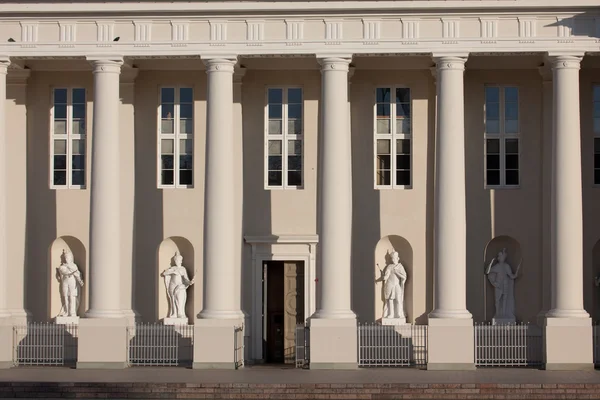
x=283, y=309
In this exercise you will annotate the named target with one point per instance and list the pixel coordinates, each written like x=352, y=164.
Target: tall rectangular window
x=596, y=111
x=176, y=137
x=68, y=132
x=393, y=136
x=502, y=146
x=284, y=137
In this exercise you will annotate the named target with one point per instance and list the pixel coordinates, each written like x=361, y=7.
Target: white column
x=105, y=268
x=336, y=192
x=221, y=240
x=450, y=246
x=4, y=63
x=567, y=216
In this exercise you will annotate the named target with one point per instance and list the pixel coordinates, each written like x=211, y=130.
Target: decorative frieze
x=105, y=31
x=410, y=28
x=294, y=30
x=489, y=28
x=450, y=28
x=218, y=31
x=67, y=32
x=29, y=32
x=143, y=31
x=255, y=31
x=371, y=30
x=526, y=27
x=180, y=31
x=333, y=31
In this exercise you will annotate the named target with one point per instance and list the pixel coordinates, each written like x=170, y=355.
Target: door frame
x=279, y=248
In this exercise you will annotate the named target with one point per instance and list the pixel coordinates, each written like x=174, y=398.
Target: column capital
x=454, y=62
x=334, y=62
x=106, y=64
x=564, y=61
x=220, y=64
x=4, y=63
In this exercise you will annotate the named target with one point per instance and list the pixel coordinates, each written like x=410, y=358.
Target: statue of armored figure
x=393, y=277
x=70, y=283
x=176, y=283
x=502, y=278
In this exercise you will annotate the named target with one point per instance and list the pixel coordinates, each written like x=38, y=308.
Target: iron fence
x=392, y=346
x=44, y=344
x=238, y=346
x=508, y=345
x=154, y=344
x=302, y=340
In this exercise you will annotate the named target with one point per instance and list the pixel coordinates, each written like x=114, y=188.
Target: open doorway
x=283, y=309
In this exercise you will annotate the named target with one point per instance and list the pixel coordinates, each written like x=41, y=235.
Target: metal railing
x=392, y=346
x=508, y=345
x=302, y=340
x=238, y=346
x=154, y=344
x=44, y=344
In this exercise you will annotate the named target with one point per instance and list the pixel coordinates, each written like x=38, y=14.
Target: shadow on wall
x=74, y=245
x=515, y=260
x=165, y=259
x=385, y=247
x=582, y=25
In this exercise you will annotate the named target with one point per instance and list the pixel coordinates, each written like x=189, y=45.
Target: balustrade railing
x=44, y=344
x=392, y=346
x=508, y=345
x=154, y=344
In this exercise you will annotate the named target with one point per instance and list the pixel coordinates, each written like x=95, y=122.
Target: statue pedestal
x=175, y=321
x=393, y=321
x=66, y=320
x=503, y=321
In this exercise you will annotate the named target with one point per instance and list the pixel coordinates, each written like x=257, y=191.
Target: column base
x=214, y=343
x=333, y=343
x=102, y=343
x=568, y=344
x=6, y=343
x=450, y=344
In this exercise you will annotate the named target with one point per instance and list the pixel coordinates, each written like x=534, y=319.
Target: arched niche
x=515, y=260
x=166, y=252
x=596, y=277
x=385, y=247
x=74, y=245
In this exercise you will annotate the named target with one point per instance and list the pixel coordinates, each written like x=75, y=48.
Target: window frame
x=68, y=137
x=502, y=136
x=393, y=136
x=285, y=137
x=595, y=136
x=176, y=136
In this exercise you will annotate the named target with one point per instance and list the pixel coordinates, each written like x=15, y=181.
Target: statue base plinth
x=393, y=321
x=175, y=321
x=503, y=321
x=66, y=320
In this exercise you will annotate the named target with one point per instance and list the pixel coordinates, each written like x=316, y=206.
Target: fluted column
x=221, y=239
x=336, y=192
x=567, y=215
x=4, y=63
x=450, y=245
x=105, y=268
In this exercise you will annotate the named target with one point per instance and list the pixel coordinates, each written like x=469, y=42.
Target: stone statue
x=70, y=282
x=501, y=276
x=176, y=283
x=393, y=277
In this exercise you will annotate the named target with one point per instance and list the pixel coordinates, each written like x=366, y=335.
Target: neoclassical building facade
x=286, y=150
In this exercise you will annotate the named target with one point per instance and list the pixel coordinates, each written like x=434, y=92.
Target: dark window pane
x=78, y=161
x=403, y=178
x=512, y=177
x=511, y=111
x=167, y=111
x=275, y=96
x=275, y=178
x=511, y=94
x=295, y=111
x=492, y=94
x=186, y=111
x=383, y=95
x=512, y=162
x=403, y=110
x=78, y=96
x=492, y=111
x=60, y=111
x=597, y=145
x=185, y=177
x=60, y=96
x=166, y=177
x=186, y=162
x=60, y=177
x=294, y=178
x=493, y=162
x=79, y=111
x=512, y=146
x=596, y=160
x=493, y=178
x=78, y=178
x=383, y=110
x=186, y=95
x=403, y=146
x=384, y=178
x=294, y=96
x=275, y=163
x=294, y=162
x=597, y=177
x=402, y=95
x=167, y=95
x=167, y=161
x=60, y=162
x=493, y=146
x=403, y=161
x=275, y=111
x=384, y=162
x=597, y=93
